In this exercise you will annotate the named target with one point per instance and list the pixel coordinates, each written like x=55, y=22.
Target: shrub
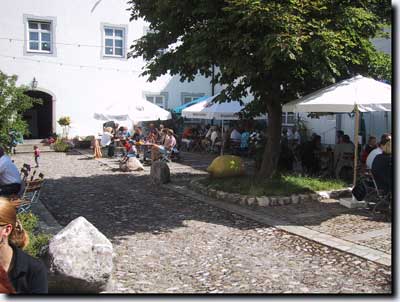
x=36, y=240
x=64, y=121
x=60, y=146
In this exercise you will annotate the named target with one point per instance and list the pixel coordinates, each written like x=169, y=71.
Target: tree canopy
x=13, y=102
x=277, y=50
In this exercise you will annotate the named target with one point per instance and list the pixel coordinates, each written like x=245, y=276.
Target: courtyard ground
x=166, y=242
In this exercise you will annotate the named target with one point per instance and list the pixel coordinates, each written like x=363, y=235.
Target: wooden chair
x=30, y=195
x=345, y=160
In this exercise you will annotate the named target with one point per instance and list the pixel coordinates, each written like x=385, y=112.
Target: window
x=114, y=42
x=288, y=118
x=159, y=100
x=39, y=36
x=187, y=97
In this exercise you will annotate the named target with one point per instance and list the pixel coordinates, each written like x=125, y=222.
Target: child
x=37, y=155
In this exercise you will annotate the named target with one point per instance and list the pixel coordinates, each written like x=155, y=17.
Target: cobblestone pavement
x=166, y=243
x=328, y=216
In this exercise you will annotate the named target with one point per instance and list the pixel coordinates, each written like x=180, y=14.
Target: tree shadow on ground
x=124, y=204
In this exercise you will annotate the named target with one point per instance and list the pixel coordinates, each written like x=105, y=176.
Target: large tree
x=277, y=50
x=13, y=102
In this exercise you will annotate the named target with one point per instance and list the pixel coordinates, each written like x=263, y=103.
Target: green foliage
x=279, y=186
x=64, y=121
x=37, y=241
x=276, y=50
x=60, y=146
x=13, y=102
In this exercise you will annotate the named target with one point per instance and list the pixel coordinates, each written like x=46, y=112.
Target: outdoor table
x=144, y=147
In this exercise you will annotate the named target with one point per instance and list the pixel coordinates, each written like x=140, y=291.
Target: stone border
x=267, y=201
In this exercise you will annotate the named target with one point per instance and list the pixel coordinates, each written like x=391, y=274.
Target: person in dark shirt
x=26, y=274
x=382, y=168
x=368, y=148
x=309, y=155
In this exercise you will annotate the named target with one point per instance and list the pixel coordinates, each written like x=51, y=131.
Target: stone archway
x=40, y=117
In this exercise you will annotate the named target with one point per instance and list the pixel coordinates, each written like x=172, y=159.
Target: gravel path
x=166, y=243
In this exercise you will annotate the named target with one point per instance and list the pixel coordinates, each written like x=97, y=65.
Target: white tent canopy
x=355, y=94
x=219, y=111
x=136, y=111
x=367, y=94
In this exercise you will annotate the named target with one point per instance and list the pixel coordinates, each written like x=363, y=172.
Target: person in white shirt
x=106, y=138
x=10, y=180
x=371, y=156
x=235, y=135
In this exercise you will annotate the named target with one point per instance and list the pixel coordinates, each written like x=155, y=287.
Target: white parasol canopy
x=220, y=111
x=365, y=93
x=355, y=94
x=138, y=111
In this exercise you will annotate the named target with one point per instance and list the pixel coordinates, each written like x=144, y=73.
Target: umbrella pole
x=222, y=136
x=356, y=125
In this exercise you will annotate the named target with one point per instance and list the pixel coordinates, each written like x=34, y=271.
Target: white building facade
x=74, y=55
x=77, y=53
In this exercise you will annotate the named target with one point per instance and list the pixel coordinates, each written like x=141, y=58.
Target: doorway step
x=27, y=146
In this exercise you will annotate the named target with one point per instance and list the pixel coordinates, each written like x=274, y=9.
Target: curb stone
x=266, y=201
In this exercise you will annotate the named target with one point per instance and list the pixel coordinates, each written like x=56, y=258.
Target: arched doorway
x=40, y=116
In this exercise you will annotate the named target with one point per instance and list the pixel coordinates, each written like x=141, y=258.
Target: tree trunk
x=273, y=145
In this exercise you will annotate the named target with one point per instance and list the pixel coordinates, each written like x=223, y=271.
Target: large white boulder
x=79, y=259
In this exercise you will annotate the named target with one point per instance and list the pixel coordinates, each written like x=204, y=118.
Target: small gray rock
x=263, y=201
x=251, y=201
x=159, y=172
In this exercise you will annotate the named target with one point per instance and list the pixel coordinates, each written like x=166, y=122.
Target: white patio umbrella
x=355, y=94
x=137, y=111
x=208, y=110
x=220, y=111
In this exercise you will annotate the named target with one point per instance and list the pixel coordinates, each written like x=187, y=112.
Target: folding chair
x=375, y=199
x=346, y=160
x=25, y=170
x=31, y=194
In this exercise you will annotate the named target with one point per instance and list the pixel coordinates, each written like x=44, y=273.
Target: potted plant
x=64, y=122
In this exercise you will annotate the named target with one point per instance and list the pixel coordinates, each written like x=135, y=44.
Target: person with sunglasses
x=26, y=274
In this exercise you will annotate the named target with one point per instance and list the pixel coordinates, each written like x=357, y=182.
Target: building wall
x=78, y=76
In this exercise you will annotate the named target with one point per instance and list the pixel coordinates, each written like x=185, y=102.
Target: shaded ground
x=167, y=243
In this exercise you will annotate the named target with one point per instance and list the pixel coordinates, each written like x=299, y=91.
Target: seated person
x=10, y=180
x=107, y=136
x=368, y=148
x=296, y=137
x=120, y=132
x=131, y=150
x=111, y=124
x=382, y=168
x=309, y=155
x=138, y=135
x=340, y=154
x=187, y=137
x=371, y=156
x=244, y=141
x=215, y=138
x=235, y=135
x=168, y=145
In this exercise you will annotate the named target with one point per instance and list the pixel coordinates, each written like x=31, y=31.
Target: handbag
x=359, y=191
